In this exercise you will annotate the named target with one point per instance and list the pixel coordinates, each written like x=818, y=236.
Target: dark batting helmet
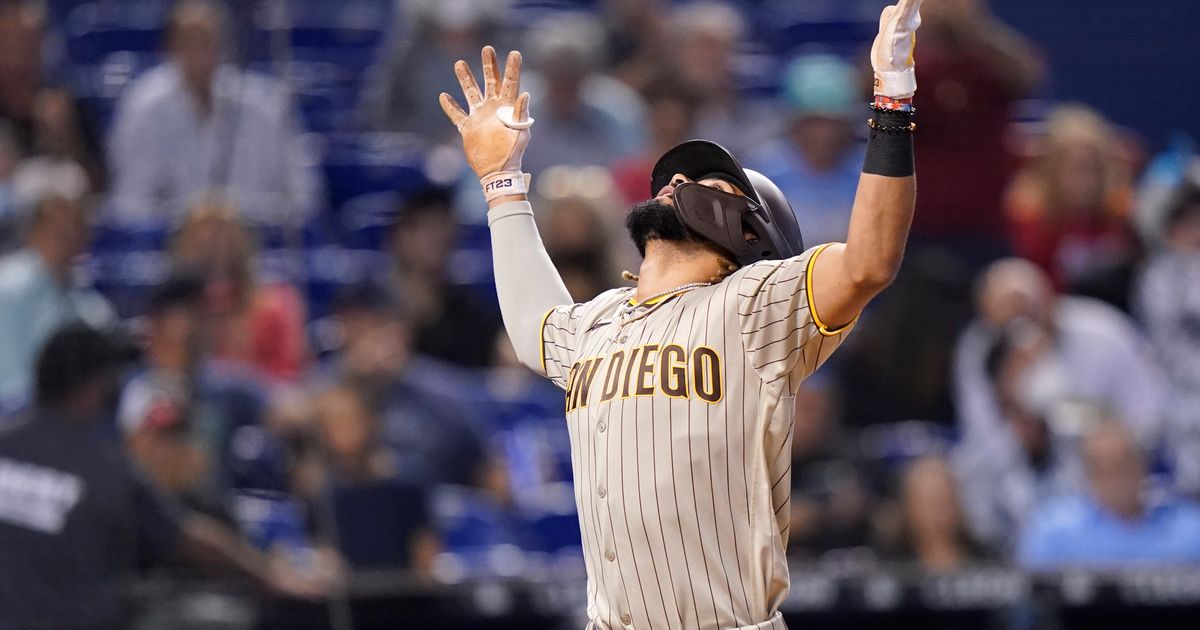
x=726, y=219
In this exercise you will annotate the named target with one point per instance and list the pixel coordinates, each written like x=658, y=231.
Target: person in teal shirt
x=1116, y=522
x=38, y=295
x=816, y=162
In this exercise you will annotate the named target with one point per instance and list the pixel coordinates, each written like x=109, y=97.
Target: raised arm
x=847, y=276
x=495, y=134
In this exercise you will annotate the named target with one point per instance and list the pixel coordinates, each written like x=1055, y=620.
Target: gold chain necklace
x=625, y=312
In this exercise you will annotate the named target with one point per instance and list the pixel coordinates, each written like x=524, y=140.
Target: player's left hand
x=496, y=131
x=892, y=52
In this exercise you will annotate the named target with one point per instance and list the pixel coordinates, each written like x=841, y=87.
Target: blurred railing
x=977, y=598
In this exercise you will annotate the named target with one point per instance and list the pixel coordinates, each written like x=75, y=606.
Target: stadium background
x=471, y=522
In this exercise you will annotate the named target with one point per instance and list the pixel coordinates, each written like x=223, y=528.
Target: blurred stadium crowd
x=266, y=200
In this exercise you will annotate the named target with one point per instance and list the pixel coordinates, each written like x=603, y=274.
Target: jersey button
x=626, y=619
x=624, y=338
x=602, y=492
x=611, y=556
x=602, y=427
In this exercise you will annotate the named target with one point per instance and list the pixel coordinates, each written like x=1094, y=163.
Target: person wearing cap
x=680, y=391
x=817, y=161
x=422, y=418
x=155, y=404
x=77, y=518
x=450, y=323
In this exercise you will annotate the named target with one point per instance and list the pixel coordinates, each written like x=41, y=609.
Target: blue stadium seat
x=126, y=262
x=95, y=29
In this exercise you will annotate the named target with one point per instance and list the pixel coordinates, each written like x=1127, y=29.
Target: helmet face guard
x=726, y=220
x=758, y=225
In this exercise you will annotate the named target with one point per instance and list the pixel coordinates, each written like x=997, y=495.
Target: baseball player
x=679, y=391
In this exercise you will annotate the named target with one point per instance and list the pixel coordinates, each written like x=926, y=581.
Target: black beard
x=653, y=219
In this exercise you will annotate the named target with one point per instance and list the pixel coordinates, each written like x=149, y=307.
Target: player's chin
x=653, y=219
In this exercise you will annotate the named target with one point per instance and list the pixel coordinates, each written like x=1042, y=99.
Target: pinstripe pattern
x=683, y=499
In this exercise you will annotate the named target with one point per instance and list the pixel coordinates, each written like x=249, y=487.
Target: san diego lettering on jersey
x=670, y=370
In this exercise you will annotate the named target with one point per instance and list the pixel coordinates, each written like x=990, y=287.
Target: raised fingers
x=453, y=111
x=885, y=17
x=467, y=81
x=491, y=73
x=512, y=76
x=521, y=110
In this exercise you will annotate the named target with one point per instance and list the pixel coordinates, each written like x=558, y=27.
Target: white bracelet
x=502, y=184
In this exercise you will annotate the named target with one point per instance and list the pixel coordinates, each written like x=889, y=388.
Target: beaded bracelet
x=910, y=127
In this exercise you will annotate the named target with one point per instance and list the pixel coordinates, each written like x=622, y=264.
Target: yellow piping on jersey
x=812, y=307
x=542, y=346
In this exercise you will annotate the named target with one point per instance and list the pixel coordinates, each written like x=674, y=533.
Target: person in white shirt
x=197, y=124
x=1087, y=354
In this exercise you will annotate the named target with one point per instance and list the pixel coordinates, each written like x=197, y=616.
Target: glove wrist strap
x=896, y=84
x=503, y=184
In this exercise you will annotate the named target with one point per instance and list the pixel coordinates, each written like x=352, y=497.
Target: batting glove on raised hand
x=496, y=131
x=892, y=52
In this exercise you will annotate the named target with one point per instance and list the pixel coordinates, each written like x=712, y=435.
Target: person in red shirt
x=1067, y=210
x=254, y=323
x=972, y=69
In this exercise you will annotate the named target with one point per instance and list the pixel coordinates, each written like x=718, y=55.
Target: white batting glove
x=496, y=131
x=892, y=52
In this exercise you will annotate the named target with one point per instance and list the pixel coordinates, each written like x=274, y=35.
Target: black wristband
x=890, y=145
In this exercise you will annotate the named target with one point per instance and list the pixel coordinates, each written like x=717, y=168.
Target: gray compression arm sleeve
x=526, y=281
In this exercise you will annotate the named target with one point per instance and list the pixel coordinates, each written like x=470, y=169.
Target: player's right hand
x=496, y=131
x=892, y=51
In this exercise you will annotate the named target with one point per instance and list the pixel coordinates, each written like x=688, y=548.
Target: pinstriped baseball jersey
x=680, y=419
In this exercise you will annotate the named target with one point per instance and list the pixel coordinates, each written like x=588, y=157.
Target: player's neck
x=670, y=264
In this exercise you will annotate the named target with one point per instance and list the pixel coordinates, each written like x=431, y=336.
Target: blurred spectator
x=818, y=162
x=1116, y=521
x=45, y=120
x=935, y=534
x=583, y=117
x=898, y=367
x=1104, y=358
x=1159, y=185
x=1068, y=210
x=176, y=401
x=22, y=28
x=256, y=324
x=429, y=37
x=578, y=218
x=10, y=155
x=64, y=138
x=1022, y=371
x=703, y=38
x=156, y=403
x=38, y=292
x=433, y=436
x=831, y=485
x=637, y=41
x=670, y=119
x=1168, y=303
x=382, y=522
x=972, y=69
x=450, y=322
x=230, y=130
x=77, y=519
